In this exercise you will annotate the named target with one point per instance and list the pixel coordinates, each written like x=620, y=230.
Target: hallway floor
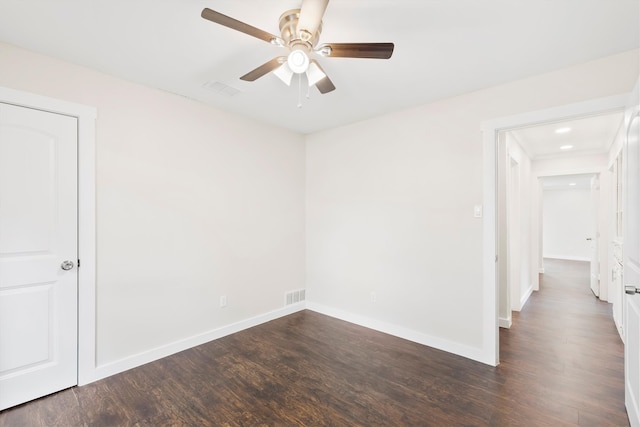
x=564, y=352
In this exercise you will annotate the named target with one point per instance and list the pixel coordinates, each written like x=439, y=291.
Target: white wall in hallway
x=520, y=253
x=514, y=227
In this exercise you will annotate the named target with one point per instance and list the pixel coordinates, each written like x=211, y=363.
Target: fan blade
x=234, y=24
x=265, y=68
x=325, y=85
x=357, y=50
x=311, y=13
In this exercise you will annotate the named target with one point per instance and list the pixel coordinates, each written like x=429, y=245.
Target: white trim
x=567, y=257
x=473, y=353
x=139, y=359
x=490, y=292
x=490, y=130
x=86, y=217
x=572, y=171
x=525, y=297
x=630, y=404
x=554, y=114
x=87, y=327
x=504, y=323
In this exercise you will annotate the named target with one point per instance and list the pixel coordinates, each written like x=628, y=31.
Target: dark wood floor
x=562, y=364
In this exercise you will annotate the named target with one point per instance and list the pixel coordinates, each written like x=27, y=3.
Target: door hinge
x=78, y=264
x=631, y=289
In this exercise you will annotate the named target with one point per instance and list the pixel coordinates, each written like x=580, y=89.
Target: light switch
x=477, y=211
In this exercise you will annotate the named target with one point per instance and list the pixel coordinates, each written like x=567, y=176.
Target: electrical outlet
x=223, y=301
x=373, y=297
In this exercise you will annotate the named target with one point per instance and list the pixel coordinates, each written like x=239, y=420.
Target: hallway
x=563, y=353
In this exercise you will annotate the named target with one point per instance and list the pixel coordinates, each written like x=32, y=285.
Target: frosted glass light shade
x=314, y=74
x=298, y=61
x=284, y=73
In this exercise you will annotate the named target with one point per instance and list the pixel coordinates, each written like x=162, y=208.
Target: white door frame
x=86, y=218
x=490, y=132
x=537, y=225
x=514, y=236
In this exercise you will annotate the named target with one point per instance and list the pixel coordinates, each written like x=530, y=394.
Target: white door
x=594, y=237
x=38, y=232
x=631, y=250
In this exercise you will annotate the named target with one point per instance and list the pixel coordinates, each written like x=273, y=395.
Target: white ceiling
x=443, y=48
x=587, y=135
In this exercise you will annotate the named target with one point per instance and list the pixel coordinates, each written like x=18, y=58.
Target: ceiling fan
x=300, y=31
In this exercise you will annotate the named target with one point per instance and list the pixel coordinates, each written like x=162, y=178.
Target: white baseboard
x=472, y=353
x=525, y=297
x=139, y=359
x=519, y=305
x=133, y=361
x=568, y=257
x=504, y=323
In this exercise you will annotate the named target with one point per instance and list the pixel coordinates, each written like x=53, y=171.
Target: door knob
x=632, y=290
x=66, y=265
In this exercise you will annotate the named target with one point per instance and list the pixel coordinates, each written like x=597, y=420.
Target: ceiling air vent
x=221, y=88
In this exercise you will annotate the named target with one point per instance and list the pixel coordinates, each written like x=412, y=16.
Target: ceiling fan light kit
x=284, y=73
x=300, y=31
x=314, y=74
x=298, y=61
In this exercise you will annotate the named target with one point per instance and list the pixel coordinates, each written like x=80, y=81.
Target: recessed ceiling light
x=566, y=147
x=563, y=130
x=573, y=184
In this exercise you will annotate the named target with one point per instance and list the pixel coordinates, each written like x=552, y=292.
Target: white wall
x=192, y=203
x=390, y=206
x=567, y=222
x=519, y=256
x=503, y=163
x=569, y=165
x=514, y=218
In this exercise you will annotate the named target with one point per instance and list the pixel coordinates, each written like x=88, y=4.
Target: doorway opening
x=574, y=224
x=503, y=150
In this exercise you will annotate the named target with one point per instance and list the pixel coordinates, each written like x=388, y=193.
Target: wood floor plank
x=562, y=365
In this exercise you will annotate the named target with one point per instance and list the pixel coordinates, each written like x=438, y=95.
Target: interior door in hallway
x=38, y=253
x=631, y=249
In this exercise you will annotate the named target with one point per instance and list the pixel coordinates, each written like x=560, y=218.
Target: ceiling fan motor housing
x=294, y=36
